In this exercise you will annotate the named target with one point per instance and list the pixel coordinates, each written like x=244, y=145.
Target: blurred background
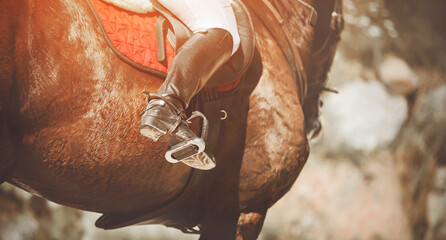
x=378, y=170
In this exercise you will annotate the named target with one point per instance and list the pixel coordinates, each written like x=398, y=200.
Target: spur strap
x=181, y=116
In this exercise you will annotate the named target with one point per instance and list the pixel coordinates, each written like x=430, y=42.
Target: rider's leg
x=206, y=51
x=192, y=67
x=199, y=58
x=199, y=15
x=212, y=44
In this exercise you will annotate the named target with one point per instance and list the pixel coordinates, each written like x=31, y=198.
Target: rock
x=338, y=200
x=419, y=159
x=397, y=75
x=361, y=118
x=436, y=206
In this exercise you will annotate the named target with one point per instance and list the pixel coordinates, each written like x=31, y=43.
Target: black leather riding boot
x=196, y=61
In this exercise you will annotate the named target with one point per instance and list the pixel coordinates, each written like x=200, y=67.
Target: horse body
x=70, y=113
x=78, y=123
x=276, y=146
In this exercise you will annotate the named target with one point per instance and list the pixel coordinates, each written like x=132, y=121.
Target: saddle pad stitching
x=130, y=41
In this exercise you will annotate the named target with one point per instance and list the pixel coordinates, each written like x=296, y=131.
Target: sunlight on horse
x=70, y=109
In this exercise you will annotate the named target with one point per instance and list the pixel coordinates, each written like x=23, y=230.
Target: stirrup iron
x=192, y=152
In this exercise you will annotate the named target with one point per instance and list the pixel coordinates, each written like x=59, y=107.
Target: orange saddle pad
x=133, y=35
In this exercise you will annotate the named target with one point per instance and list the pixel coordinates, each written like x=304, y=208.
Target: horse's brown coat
x=78, y=114
x=73, y=116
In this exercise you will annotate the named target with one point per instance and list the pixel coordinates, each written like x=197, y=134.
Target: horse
x=69, y=115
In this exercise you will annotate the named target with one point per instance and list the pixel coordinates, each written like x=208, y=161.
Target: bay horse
x=69, y=115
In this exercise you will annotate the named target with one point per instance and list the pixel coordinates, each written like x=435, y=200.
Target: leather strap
x=182, y=33
x=337, y=20
x=281, y=34
x=336, y=26
x=312, y=20
x=159, y=33
x=212, y=110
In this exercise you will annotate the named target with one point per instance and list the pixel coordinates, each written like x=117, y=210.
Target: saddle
x=181, y=212
x=132, y=37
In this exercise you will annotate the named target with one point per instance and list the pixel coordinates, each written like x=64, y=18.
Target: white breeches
x=200, y=15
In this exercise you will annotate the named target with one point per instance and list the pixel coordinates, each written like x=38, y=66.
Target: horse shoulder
x=78, y=114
